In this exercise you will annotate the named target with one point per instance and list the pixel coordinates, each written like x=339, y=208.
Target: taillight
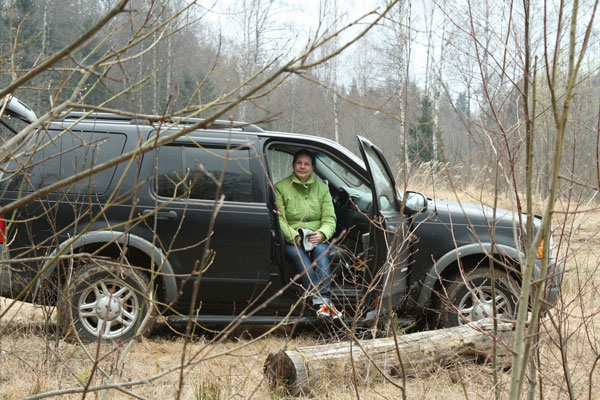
x=2, y=229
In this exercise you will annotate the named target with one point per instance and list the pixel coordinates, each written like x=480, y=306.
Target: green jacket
x=304, y=205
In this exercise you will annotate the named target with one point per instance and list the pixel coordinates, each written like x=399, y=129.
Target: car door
x=183, y=208
x=390, y=261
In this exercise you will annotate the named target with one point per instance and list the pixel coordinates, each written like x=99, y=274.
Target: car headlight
x=550, y=248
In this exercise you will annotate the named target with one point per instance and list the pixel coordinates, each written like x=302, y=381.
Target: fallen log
x=298, y=370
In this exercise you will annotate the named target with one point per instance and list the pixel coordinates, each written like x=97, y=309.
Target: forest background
x=433, y=77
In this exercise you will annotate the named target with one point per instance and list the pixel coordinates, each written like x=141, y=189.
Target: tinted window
x=194, y=172
x=9, y=125
x=55, y=157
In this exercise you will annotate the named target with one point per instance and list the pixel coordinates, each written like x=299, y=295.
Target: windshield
x=343, y=174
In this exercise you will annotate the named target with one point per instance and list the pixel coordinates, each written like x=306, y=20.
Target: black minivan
x=129, y=218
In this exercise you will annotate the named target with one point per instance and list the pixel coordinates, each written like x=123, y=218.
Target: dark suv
x=190, y=230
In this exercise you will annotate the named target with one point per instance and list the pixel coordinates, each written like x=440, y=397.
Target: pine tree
x=420, y=145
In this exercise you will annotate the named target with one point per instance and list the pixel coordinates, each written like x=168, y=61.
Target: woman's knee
x=297, y=256
x=321, y=248
x=292, y=251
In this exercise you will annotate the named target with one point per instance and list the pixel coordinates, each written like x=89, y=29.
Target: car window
x=384, y=185
x=10, y=125
x=14, y=116
x=280, y=164
x=57, y=157
x=194, y=172
x=328, y=168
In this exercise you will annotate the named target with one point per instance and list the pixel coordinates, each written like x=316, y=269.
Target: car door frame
x=279, y=260
x=388, y=230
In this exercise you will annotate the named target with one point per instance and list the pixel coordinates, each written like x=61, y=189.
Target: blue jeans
x=315, y=270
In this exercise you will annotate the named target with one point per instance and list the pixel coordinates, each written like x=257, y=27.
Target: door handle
x=164, y=215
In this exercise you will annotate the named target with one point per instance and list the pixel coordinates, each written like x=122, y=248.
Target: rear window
x=191, y=172
x=9, y=125
x=50, y=159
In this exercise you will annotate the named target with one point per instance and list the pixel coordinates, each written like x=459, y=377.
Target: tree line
x=459, y=107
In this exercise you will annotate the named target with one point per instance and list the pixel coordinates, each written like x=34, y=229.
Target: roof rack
x=17, y=108
x=217, y=124
x=116, y=118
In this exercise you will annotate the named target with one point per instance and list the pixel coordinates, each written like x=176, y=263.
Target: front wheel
x=105, y=301
x=472, y=299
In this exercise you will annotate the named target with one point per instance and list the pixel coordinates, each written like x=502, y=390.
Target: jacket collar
x=295, y=180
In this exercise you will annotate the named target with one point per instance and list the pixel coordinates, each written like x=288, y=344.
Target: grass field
x=35, y=360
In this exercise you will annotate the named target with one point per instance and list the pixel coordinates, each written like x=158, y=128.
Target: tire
x=472, y=301
x=97, y=291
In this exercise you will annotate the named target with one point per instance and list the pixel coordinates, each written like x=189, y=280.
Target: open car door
x=390, y=262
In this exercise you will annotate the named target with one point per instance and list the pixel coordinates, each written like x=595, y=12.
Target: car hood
x=475, y=214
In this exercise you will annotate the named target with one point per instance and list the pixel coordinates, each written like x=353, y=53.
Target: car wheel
x=105, y=301
x=473, y=300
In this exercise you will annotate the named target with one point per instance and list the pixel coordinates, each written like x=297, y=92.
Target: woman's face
x=303, y=167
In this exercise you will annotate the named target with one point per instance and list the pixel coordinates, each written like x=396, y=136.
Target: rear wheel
x=472, y=299
x=105, y=301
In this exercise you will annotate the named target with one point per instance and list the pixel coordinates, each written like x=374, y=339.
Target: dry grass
x=462, y=183
x=30, y=364
x=33, y=360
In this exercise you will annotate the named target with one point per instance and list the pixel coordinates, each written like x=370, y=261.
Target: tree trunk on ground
x=299, y=370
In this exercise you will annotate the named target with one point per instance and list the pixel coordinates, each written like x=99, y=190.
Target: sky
x=301, y=19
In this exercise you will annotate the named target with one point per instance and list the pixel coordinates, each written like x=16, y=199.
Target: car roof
x=108, y=121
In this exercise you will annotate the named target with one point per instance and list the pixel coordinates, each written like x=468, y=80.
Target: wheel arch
x=110, y=243
x=449, y=263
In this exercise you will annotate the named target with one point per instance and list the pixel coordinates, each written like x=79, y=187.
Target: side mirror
x=414, y=203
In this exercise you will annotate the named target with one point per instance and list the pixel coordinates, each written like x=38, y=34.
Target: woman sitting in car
x=307, y=219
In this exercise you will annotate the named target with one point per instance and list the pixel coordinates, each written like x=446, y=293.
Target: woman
x=305, y=203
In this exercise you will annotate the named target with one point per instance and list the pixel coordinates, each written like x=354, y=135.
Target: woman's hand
x=315, y=238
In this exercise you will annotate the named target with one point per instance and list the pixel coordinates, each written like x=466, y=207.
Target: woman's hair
x=305, y=153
